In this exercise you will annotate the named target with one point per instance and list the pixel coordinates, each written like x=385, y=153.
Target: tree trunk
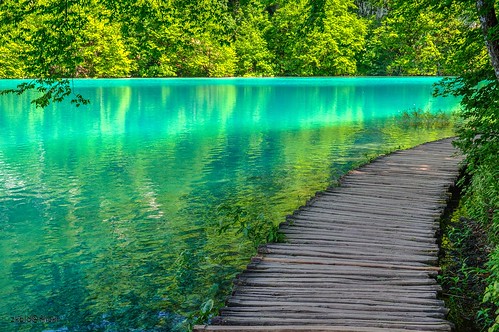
x=490, y=28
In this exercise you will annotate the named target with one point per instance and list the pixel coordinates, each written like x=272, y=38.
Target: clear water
x=110, y=214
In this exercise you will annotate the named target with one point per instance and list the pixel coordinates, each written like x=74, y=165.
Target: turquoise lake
x=135, y=212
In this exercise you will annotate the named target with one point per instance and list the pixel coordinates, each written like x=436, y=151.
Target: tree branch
x=490, y=29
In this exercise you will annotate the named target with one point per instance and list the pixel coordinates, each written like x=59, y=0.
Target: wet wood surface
x=357, y=257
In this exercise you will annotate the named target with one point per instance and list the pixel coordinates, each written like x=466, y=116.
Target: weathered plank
x=358, y=257
x=298, y=328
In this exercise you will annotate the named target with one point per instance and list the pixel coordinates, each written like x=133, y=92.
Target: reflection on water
x=109, y=214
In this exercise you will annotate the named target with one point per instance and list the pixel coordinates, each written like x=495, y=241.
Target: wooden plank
x=332, y=238
x=332, y=277
x=318, y=261
x=340, y=293
x=294, y=328
x=390, y=301
x=320, y=220
x=367, y=234
x=330, y=284
x=398, y=212
x=379, y=198
x=346, y=243
x=338, y=224
x=363, y=191
x=291, y=268
x=427, y=218
x=307, y=311
x=358, y=257
x=432, y=325
x=400, y=186
x=350, y=254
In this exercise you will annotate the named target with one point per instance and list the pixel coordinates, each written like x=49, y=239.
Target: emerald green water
x=110, y=213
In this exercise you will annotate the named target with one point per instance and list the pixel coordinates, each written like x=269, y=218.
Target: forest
x=220, y=38
x=50, y=41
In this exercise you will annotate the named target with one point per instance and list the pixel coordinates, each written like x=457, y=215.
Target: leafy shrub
x=479, y=141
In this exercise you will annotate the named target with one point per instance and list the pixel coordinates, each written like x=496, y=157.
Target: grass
x=417, y=118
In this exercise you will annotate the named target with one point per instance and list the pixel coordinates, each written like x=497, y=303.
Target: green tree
x=335, y=42
x=478, y=85
x=11, y=48
x=47, y=33
x=102, y=50
x=316, y=38
x=411, y=40
x=152, y=33
x=206, y=48
x=253, y=55
x=286, y=36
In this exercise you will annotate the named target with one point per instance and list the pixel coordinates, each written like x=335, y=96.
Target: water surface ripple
x=110, y=214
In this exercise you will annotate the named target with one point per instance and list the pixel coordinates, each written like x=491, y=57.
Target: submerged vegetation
x=247, y=219
x=418, y=118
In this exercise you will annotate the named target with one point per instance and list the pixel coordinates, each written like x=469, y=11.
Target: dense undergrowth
x=470, y=264
x=464, y=272
x=475, y=231
x=481, y=204
x=479, y=140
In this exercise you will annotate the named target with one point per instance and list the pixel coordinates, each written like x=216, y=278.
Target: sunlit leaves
x=412, y=40
x=102, y=50
x=312, y=40
x=341, y=39
x=253, y=55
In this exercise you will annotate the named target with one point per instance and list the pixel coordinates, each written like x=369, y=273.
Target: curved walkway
x=358, y=257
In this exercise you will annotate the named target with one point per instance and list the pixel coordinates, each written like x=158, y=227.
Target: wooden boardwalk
x=358, y=257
